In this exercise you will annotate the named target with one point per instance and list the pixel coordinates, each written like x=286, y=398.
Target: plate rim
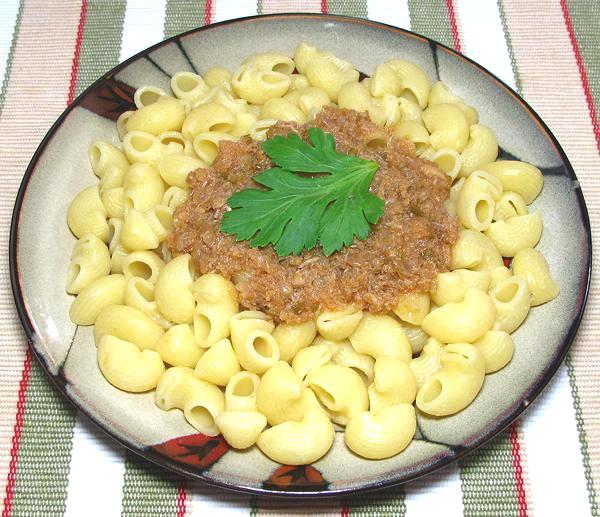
x=498, y=426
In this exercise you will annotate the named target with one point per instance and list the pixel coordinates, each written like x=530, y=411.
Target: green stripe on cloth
x=183, y=15
x=47, y=436
x=101, y=42
x=45, y=451
x=385, y=503
x=430, y=18
x=586, y=25
x=10, y=55
x=356, y=8
x=488, y=480
x=589, y=480
x=148, y=489
x=511, y=52
x=579, y=11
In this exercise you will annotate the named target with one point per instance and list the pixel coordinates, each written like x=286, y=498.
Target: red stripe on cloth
x=453, y=25
x=16, y=439
x=208, y=12
x=516, y=455
x=345, y=511
x=582, y=72
x=75, y=68
x=181, y=500
x=324, y=6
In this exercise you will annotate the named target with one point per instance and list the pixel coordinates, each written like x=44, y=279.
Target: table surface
x=53, y=461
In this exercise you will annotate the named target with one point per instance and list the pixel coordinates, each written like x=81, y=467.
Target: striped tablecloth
x=53, y=461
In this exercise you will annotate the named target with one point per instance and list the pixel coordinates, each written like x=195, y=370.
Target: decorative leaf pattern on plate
x=198, y=449
x=301, y=478
x=110, y=99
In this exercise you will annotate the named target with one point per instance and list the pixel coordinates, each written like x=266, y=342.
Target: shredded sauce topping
x=407, y=248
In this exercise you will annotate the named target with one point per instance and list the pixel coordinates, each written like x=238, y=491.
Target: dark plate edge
x=497, y=428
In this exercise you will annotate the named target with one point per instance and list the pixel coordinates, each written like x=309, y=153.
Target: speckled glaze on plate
x=41, y=244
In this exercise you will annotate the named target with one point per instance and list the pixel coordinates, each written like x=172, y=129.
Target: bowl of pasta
x=324, y=261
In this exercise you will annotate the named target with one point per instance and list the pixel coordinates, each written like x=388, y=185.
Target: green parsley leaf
x=299, y=211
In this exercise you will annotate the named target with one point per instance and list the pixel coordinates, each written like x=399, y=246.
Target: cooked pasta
x=162, y=322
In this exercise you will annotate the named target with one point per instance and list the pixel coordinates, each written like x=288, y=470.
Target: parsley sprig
x=297, y=211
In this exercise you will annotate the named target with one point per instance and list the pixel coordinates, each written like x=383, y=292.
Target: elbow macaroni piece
x=174, y=168
x=139, y=294
x=271, y=61
x=354, y=96
x=340, y=324
x=146, y=265
x=218, y=364
x=258, y=86
x=291, y=338
x=462, y=322
x=217, y=76
x=509, y=205
x=385, y=80
x=447, y=126
x=143, y=187
x=241, y=429
x=475, y=251
x=517, y=233
x=380, y=335
x=520, y=177
x=128, y=324
x=178, y=347
x=282, y=109
x=456, y=385
x=415, y=132
x=173, y=290
x=497, y=275
x=209, y=117
x=448, y=160
x=189, y=86
x=416, y=337
x=341, y=390
x=240, y=392
x=142, y=147
x=512, y=300
x=412, y=307
x=345, y=355
x=394, y=384
x=452, y=286
x=86, y=214
x=298, y=443
x=95, y=297
x=147, y=95
x=166, y=114
x=310, y=100
x=532, y=265
x=428, y=362
x=127, y=367
x=497, y=349
x=382, y=433
x=113, y=200
x=279, y=388
x=412, y=80
x=105, y=156
x=90, y=260
x=481, y=148
x=476, y=201
x=308, y=359
x=329, y=75
x=200, y=401
x=216, y=303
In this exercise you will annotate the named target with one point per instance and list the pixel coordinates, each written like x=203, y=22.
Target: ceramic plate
x=41, y=244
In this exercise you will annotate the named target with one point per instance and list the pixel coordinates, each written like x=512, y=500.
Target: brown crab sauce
x=407, y=248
